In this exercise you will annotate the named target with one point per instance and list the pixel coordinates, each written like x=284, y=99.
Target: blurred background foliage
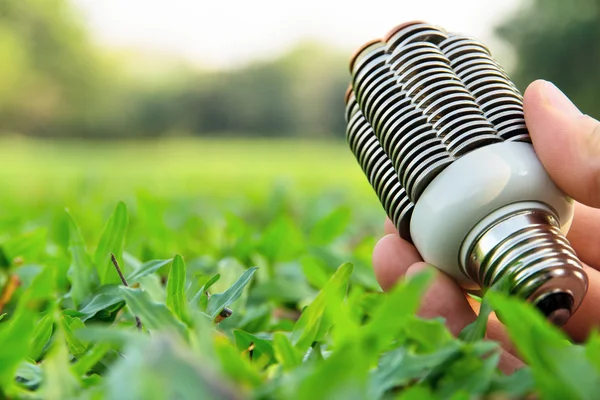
x=558, y=41
x=56, y=82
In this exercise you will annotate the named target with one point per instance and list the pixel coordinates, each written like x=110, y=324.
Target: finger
x=509, y=363
x=566, y=141
x=444, y=298
x=391, y=258
x=495, y=330
x=584, y=234
x=583, y=321
x=587, y=317
x=389, y=227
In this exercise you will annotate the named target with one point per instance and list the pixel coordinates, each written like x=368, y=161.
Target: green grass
x=279, y=233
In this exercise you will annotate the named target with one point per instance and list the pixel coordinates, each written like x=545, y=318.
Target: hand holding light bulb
x=568, y=145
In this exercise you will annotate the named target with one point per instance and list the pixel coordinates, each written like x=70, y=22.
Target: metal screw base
x=543, y=267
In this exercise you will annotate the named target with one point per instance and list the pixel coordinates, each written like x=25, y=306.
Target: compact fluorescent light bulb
x=438, y=129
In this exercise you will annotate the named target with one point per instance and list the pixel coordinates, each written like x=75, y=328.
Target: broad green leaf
x=477, y=329
x=238, y=235
x=482, y=348
x=88, y=360
x=517, y=385
x=16, y=335
x=70, y=325
x=429, y=334
x=342, y=375
x=229, y=269
x=154, y=316
x=592, y=349
x=218, y=301
x=257, y=319
x=59, y=381
x=417, y=393
x=145, y=269
x=314, y=320
x=29, y=375
x=104, y=298
x=395, y=311
x=282, y=240
x=115, y=336
x=561, y=370
x=4, y=261
x=331, y=226
x=82, y=274
x=162, y=368
x=28, y=246
x=314, y=272
x=461, y=395
x=176, y=300
x=259, y=351
x=196, y=298
x=287, y=355
x=401, y=366
x=341, y=314
x=41, y=335
x=234, y=365
x=154, y=286
x=471, y=375
x=111, y=241
x=282, y=290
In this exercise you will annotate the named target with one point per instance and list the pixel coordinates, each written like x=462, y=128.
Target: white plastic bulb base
x=495, y=211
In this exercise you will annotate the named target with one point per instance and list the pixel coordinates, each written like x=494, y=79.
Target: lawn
x=248, y=275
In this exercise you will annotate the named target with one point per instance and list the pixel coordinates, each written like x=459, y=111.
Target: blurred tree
x=299, y=94
x=50, y=73
x=558, y=41
x=55, y=82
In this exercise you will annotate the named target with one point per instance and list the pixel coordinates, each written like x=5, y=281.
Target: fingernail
x=554, y=97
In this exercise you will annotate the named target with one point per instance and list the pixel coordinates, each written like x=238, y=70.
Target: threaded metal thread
x=529, y=246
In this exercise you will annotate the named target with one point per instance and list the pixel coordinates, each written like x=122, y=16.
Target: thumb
x=566, y=141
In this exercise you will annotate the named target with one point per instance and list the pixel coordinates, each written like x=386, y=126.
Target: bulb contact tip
x=557, y=307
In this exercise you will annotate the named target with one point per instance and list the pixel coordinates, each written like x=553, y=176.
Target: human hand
x=568, y=145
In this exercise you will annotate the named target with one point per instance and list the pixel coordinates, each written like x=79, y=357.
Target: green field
x=196, y=167
x=195, y=179
x=186, y=218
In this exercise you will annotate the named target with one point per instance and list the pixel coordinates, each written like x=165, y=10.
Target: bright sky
x=221, y=33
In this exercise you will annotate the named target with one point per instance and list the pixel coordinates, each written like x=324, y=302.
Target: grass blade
x=90, y=359
x=218, y=301
x=41, y=336
x=146, y=269
x=561, y=369
x=17, y=333
x=287, y=355
x=111, y=242
x=314, y=320
x=154, y=316
x=82, y=274
x=60, y=383
x=176, y=300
